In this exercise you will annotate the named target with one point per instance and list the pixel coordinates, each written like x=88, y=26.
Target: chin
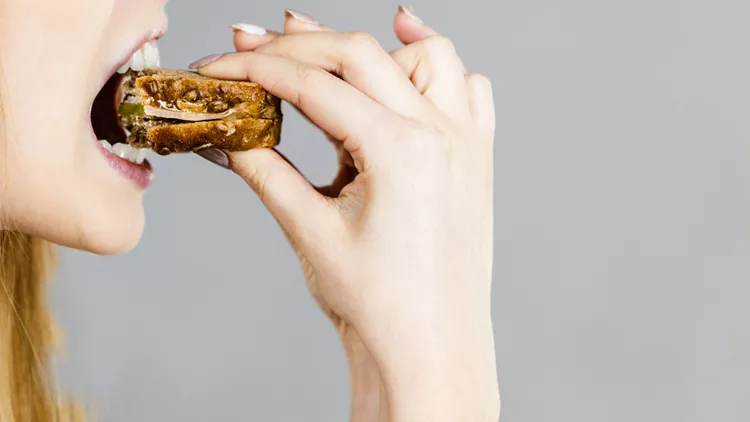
x=101, y=237
x=99, y=229
x=106, y=238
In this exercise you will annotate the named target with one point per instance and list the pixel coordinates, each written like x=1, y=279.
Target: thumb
x=292, y=200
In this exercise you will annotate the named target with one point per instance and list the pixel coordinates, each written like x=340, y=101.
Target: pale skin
x=398, y=250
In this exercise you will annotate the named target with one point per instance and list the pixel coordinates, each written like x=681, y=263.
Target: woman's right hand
x=403, y=253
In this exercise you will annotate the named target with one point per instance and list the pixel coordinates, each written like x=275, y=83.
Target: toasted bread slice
x=173, y=111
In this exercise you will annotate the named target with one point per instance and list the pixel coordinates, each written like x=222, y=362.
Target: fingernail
x=216, y=156
x=304, y=17
x=409, y=11
x=204, y=61
x=249, y=29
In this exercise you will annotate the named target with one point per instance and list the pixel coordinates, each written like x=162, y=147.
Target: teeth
x=134, y=155
x=124, y=68
x=141, y=155
x=120, y=150
x=151, y=55
x=137, y=62
x=146, y=57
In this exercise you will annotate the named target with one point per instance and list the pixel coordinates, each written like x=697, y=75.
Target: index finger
x=336, y=107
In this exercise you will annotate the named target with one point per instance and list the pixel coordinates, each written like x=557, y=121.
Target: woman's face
x=56, y=180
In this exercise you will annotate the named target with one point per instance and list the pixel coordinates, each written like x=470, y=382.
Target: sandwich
x=174, y=111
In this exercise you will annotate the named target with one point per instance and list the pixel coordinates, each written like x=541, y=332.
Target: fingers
x=300, y=22
x=435, y=69
x=303, y=21
x=409, y=28
x=248, y=37
x=431, y=62
x=481, y=103
x=333, y=105
x=295, y=204
x=358, y=59
x=347, y=170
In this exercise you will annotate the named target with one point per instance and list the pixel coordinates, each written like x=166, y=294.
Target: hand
x=403, y=253
x=368, y=402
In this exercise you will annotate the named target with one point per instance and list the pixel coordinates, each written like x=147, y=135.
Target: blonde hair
x=26, y=333
x=26, y=330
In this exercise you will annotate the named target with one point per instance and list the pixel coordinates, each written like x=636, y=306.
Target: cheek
x=47, y=66
x=61, y=187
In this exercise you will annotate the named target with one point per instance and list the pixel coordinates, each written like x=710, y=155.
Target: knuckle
x=248, y=65
x=357, y=45
x=481, y=81
x=309, y=74
x=362, y=40
x=257, y=178
x=440, y=45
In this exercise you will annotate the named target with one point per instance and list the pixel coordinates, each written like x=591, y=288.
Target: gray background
x=623, y=230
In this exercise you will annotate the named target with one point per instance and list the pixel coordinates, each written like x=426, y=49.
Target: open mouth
x=105, y=119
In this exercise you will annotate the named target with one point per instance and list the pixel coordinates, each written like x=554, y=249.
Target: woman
x=397, y=251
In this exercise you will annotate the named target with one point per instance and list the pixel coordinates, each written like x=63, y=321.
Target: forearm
x=447, y=375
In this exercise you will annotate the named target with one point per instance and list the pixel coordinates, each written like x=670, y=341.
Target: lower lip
x=141, y=175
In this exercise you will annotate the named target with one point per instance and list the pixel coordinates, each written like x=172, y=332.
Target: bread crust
x=236, y=135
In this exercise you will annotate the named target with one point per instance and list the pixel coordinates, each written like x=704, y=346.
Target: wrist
x=368, y=397
x=439, y=371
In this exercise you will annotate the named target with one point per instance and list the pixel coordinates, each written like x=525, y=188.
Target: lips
x=105, y=122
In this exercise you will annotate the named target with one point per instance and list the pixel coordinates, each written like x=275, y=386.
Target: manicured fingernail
x=304, y=17
x=249, y=29
x=216, y=156
x=204, y=61
x=409, y=11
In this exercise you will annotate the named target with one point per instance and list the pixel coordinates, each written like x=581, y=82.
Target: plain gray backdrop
x=622, y=264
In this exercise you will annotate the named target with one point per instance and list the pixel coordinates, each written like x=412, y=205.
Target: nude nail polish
x=409, y=11
x=205, y=61
x=249, y=29
x=304, y=17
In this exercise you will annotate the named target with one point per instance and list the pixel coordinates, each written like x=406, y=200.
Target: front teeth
x=151, y=55
x=145, y=58
x=134, y=155
x=124, y=68
x=138, y=62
